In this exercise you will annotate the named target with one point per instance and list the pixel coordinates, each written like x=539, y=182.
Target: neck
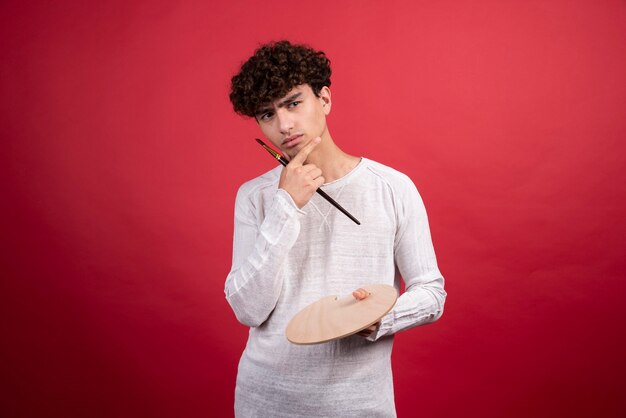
x=333, y=162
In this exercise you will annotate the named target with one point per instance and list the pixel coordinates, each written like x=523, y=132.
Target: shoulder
x=255, y=187
x=395, y=179
x=408, y=206
x=403, y=192
x=254, y=194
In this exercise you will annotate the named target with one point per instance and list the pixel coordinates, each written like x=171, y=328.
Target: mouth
x=292, y=141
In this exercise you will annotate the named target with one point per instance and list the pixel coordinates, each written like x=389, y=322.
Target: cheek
x=268, y=131
x=320, y=119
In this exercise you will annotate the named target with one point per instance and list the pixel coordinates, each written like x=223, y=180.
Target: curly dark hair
x=273, y=70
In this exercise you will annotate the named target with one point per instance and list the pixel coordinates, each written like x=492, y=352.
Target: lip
x=292, y=141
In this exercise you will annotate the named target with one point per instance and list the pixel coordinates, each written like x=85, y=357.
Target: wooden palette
x=331, y=318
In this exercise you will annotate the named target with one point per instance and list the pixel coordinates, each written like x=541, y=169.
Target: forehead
x=303, y=90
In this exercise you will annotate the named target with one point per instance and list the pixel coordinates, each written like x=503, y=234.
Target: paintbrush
x=321, y=192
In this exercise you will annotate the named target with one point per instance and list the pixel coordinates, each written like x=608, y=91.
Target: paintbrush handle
x=321, y=192
x=330, y=200
x=337, y=205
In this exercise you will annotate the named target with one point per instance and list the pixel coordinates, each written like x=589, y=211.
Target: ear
x=325, y=100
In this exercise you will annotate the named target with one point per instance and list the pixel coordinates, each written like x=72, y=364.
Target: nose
x=285, y=121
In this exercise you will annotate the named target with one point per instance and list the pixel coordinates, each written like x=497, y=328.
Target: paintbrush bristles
x=271, y=151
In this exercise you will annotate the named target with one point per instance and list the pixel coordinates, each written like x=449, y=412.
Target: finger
x=307, y=168
x=318, y=182
x=360, y=294
x=367, y=331
x=309, y=171
x=314, y=173
x=302, y=155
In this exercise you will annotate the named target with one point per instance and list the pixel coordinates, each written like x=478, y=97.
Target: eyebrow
x=285, y=102
x=290, y=99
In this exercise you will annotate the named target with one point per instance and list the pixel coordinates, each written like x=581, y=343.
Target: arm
x=424, y=297
x=253, y=284
x=260, y=247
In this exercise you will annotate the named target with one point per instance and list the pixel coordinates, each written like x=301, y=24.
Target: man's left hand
x=361, y=294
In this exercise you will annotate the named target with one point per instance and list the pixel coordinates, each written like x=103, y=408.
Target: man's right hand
x=301, y=180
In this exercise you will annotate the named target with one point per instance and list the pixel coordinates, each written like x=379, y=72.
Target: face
x=292, y=121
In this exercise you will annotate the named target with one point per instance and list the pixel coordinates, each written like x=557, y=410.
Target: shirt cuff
x=384, y=325
x=287, y=203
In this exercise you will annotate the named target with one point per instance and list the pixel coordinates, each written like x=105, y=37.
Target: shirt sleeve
x=424, y=296
x=260, y=246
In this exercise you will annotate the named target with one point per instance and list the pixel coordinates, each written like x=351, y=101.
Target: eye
x=293, y=104
x=266, y=116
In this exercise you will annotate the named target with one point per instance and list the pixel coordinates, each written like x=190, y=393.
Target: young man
x=291, y=248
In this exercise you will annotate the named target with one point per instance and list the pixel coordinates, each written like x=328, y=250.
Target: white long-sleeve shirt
x=285, y=258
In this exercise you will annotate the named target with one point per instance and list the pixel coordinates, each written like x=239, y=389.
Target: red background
x=121, y=158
